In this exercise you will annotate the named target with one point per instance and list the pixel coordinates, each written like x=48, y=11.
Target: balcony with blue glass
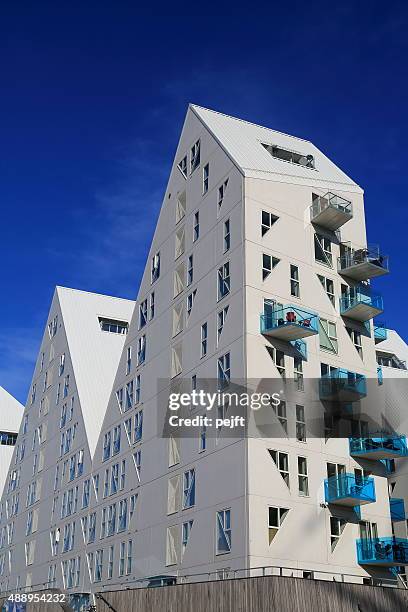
x=349, y=490
x=361, y=303
x=385, y=552
x=330, y=211
x=397, y=510
x=379, y=447
x=289, y=323
x=361, y=263
x=380, y=331
x=342, y=386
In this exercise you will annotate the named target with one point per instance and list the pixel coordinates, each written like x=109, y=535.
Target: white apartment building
x=11, y=412
x=259, y=271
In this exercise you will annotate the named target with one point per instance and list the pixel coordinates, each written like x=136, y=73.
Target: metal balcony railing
x=385, y=552
x=380, y=331
x=362, y=263
x=331, y=211
x=349, y=490
x=342, y=385
x=361, y=303
x=289, y=323
x=379, y=447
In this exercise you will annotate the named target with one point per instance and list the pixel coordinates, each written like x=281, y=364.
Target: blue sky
x=92, y=102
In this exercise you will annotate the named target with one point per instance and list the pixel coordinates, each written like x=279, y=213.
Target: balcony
x=384, y=447
x=386, y=552
x=349, y=490
x=362, y=264
x=342, y=386
x=289, y=323
x=361, y=303
x=331, y=211
x=380, y=332
x=397, y=510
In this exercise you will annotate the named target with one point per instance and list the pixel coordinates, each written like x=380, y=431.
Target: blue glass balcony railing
x=361, y=303
x=362, y=263
x=397, y=510
x=380, y=376
x=342, y=385
x=385, y=552
x=349, y=490
x=331, y=211
x=289, y=323
x=379, y=447
x=380, y=331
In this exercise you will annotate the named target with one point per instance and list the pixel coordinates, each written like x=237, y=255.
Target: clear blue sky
x=92, y=101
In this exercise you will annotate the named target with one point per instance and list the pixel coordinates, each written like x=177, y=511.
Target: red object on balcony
x=291, y=317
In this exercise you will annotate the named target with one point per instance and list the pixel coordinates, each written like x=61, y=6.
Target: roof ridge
x=102, y=295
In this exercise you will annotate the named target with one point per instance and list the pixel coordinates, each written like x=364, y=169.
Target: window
x=129, y=395
x=85, y=493
x=224, y=370
x=190, y=270
x=119, y=397
x=221, y=193
x=280, y=411
x=128, y=360
x=292, y=157
x=190, y=302
x=106, y=446
x=141, y=350
x=300, y=424
x=114, y=327
x=204, y=339
x=294, y=281
x=227, y=236
x=185, y=535
x=223, y=531
x=142, y=314
x=303, y=478
x=182, y=166
x=276, y=516
x=61, y=364
x=267, y=220
x=323, y=250
x=137, y=389
x=138, y=426
x=98, y=565
x=116, y=439
x=206, y=177
x=122, y=557
x=180, y=240
x=110, y=561
x=268, y=264
x=137, y=459
x=189, y=489
x=66, y=386
x=203, y=439
x=196, y=226
x=298, y=373
x=278, y=358
x=152, y=306
x=114, y=482
x=155, y=271
x=129, y=557
x=171, y=549
x=355, y=337
x=336, y=529
x=221, y=317
x=328, y=336
x=195, y=157
x=181, y=204
x=224, y=280
x=328, y=286
x=281, y=461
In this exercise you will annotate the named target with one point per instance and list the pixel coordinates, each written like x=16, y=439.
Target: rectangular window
x=206, y=177
x=137, y=389
x=223, y=531
x=276, y=516
x=138, y=426
x=298, y=374
x=116, y=439
x=294, y=281
x=137, y=458
x=203, y=438
x=224, y=370
x=106, y=446
x=290, y=156
x=190, y=302
x=328, y=336
x=195, y=157
x=129, y=395
x=300, y=424
x=196, y=226
x=303, y=478
x=129, y=557
x=128, y=360
x=227, y=236
x=155, y=270
x=221, y=317
x=323, y=250
x=280, y=411
x=221, y=193
x=355, y=337
x=204, y=339
x=336, y=529
x=189, y=489
x=185, y=535
x=114, y=327
x=110, y=561
x=267, y=220
x=268, y=264
x=141, y=350
x=281, y=461
x=278, y=358
x=152, y=305
x=190, y=270
x=142, y=314
x=122, y=558
x=224, y=280
x=328, y=286
x=182, y=166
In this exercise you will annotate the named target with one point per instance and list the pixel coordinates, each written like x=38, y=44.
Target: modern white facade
x=11, y=412
x=260, y=242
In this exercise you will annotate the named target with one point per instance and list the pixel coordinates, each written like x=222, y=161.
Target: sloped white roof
x=394, y=344
x=243, y=142
x=11, y=412
x=94, y=353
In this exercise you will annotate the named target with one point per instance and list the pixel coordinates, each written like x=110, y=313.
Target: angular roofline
x=102, y=295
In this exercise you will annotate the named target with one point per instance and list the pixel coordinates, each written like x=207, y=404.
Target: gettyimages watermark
x=282, y=408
